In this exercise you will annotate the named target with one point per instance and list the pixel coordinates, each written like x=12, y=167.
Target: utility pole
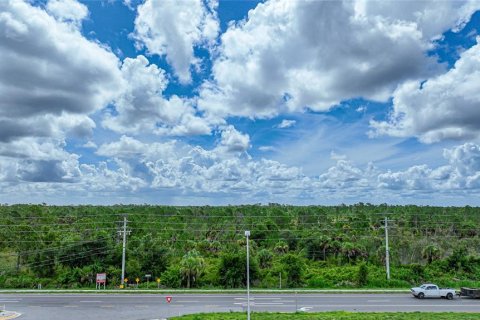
x=387, y=252
x=124, y=233
x=247, y=234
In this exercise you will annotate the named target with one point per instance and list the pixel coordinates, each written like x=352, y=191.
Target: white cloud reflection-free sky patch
x=231, y=102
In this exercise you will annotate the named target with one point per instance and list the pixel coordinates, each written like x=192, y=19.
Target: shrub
x=362, y=276
x=294, y=268
x=172, y=277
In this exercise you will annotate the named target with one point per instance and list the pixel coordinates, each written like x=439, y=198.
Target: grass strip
x=340, y=315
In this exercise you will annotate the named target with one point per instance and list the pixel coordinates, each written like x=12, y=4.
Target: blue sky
x=231, y=102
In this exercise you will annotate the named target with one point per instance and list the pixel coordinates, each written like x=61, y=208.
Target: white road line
x=259, y=303
x=91, y=301
x=378, y=300
x=253, y=299
x=188, y=301
x=305, y=309
x=386, y=305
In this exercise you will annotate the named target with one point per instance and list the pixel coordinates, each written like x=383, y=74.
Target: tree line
x=205, y=246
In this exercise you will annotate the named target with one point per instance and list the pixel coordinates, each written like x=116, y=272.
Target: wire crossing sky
x=194, y=102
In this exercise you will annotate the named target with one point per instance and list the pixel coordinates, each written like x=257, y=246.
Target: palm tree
x=191, y=267
x=431, y=252
x=352, y=251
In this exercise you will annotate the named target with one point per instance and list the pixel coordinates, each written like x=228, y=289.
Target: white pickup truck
x=429, y=290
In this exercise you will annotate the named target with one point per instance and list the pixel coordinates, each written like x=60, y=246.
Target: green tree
x=353, y=251
x=172, y=277
x=265, y=258
x=281, y=247
x=431, y=252
x=293, y=267
x=191, y=267
x=232, y=272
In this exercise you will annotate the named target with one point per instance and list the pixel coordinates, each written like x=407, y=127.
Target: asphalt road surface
x=155, y=306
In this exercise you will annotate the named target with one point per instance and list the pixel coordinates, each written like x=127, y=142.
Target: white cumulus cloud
x=443, y=107
x=291, y=55
x=173, y=28
x=67, y=10
x=41, y=62
x=142, y=108
x=233, y=140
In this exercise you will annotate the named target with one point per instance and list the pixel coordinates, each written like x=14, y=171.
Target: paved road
x=154, y=306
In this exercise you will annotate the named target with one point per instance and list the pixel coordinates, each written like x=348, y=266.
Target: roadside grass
x=341, y=315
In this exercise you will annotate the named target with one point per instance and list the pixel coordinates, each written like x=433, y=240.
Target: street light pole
x=387, y=251
x=247, y=234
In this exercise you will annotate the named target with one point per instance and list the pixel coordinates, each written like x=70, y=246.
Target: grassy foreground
x=334, y=316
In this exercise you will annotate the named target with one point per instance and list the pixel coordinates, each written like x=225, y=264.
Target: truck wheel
x=421, y=295
x=449, y=296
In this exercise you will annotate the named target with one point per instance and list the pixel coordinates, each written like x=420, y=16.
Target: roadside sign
x=125, y=280
x=148, y=276
x=137, y=280
x=101, y=279
x=158, y=280
x=168, y=298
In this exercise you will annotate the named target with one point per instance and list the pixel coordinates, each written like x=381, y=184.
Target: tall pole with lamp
x=247, y=234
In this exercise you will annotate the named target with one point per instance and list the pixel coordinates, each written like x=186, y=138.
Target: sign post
x=137, y=280
x=101, y=279
x=169, y=299
x=148, y=276
x=158, y=283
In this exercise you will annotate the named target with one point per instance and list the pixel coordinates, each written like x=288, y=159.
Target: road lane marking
x=378, y=300
x=70, y=306
x=106, y=306
x=389, y=305
x=188, y=301
x=252, y=299
x=91, y=301
x=259, y=303
x=305, y=309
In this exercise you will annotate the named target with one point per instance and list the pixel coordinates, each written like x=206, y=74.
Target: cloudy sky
x=233, y=102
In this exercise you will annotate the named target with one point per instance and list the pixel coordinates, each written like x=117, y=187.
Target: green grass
x=334, y=316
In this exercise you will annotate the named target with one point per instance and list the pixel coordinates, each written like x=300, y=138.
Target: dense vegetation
x=314, y=246
x=334, y=316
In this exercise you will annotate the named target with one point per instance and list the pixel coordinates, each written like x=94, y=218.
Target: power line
x=53, y=260
x=236, y=214
x=23, y=253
